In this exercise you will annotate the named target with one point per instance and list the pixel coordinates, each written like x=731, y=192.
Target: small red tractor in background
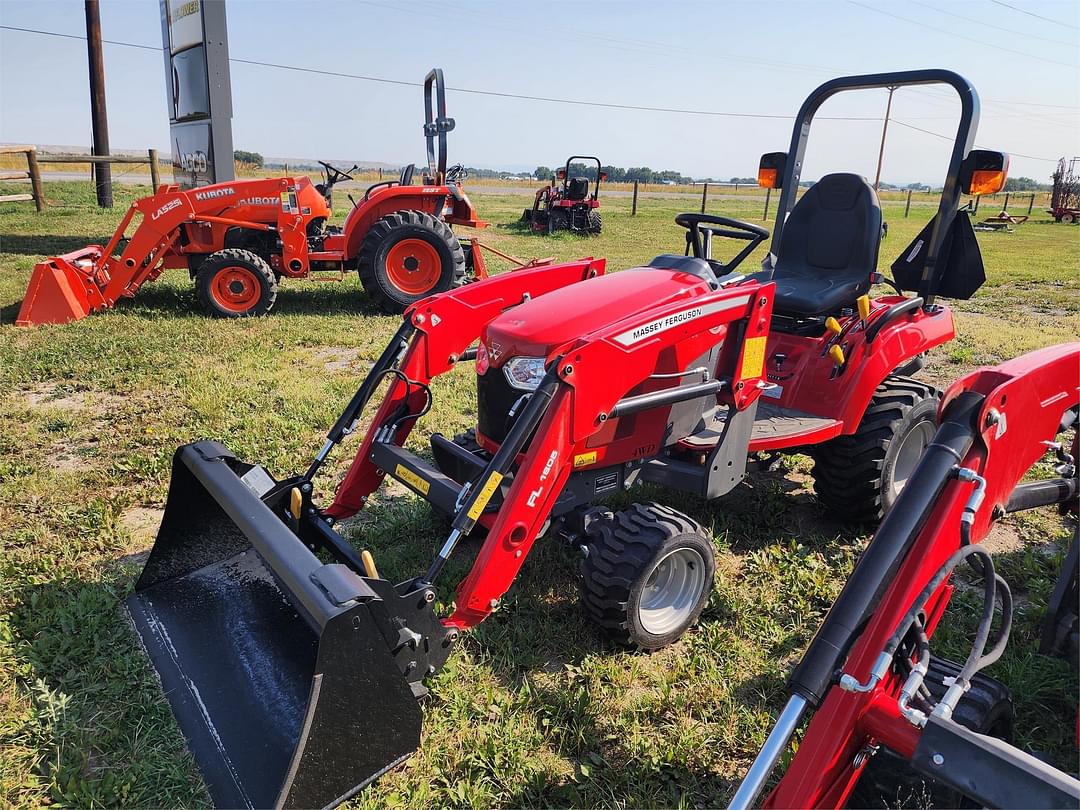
x=279, y=645
x=889, y=718
x=238, y=239
x=573, y=206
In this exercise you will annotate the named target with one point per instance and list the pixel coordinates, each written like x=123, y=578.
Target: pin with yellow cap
x=833, y=325
x=837, y=354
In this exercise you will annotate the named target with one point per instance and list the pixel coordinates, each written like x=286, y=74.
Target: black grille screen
x=494, y=399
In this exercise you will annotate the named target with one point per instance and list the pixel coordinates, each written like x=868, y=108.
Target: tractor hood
x=537, y=327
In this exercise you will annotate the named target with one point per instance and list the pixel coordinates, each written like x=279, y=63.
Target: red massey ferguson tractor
x=239, y=239
x=672, y=373
x=574, y=206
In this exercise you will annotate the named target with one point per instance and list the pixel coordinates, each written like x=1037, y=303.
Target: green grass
x=534, y=708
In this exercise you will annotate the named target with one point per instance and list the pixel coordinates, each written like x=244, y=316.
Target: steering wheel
x=336, y=175
x=457, y=174
x=696, y=224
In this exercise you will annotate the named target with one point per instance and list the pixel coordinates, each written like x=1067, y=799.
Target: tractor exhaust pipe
x=293, y=681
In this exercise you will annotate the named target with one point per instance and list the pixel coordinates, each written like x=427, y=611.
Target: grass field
x=534, y=708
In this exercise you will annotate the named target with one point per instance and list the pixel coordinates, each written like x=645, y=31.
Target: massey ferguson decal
x=534, y=496
x=638, y=333
x=169, y=206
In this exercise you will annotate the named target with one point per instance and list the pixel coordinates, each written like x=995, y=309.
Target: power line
x=991, y=25
x=977, y=146
x=1037, y=16
x=469, y=90
x=498, y=94
x=960, y=36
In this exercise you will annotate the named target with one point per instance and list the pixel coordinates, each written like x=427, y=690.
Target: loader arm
x=995, y=423
x=441, y=329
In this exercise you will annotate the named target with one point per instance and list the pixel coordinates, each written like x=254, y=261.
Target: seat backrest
x=834, y=231
x=407, y=174
x=577, y=188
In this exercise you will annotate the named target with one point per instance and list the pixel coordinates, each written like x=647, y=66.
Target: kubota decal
x=534, y=496
x=214, y=193
x=639, y=333
x=169, y=206
x=258, y=201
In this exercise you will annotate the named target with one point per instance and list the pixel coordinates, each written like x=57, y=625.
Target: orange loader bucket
x=62, y=289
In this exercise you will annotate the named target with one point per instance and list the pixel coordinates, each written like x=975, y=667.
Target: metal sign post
x=199, y=92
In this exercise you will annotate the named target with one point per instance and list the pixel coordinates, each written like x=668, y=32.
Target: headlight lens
x=524, y=373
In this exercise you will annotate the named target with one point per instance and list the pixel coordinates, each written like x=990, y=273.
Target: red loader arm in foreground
x=994, y=425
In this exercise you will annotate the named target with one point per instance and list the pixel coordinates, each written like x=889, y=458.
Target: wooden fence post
x=1005, y=207
x=976, y=205
x=35, y=178
x=633, y=205
x=1031, y=203
x=704, y=196
x=768, y=196
x=907, y=205
x=155, y=170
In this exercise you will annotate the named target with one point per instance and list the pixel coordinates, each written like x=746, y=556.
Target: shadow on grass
x=47, y=245
x=97, y=720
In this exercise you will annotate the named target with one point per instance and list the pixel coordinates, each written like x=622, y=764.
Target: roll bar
x=436, y=122
x=599, y=171
x=963, y=143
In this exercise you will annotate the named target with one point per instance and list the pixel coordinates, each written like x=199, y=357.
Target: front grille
x=494, y=399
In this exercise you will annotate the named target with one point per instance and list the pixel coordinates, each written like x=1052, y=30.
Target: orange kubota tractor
x=238, y=239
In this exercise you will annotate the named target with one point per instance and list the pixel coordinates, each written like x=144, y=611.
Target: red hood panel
x=535, y=328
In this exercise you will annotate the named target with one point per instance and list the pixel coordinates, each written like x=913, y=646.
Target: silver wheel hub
x=911, y=450
x=672, y=590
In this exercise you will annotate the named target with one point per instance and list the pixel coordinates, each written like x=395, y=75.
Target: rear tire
x=407, y=256
x=234, y=283
x=858, y=476
x=1068, y=219
x=647, y=576
x=596, y=222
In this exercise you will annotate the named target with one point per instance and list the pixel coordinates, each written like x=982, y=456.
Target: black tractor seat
x=829, y=248
x=577, y=188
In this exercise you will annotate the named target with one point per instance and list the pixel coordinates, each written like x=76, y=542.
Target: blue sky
x=746, y=57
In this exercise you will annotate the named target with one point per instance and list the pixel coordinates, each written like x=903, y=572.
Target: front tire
x=235, y=283
x=858, y=476
x=407, y=256
x=647, y=576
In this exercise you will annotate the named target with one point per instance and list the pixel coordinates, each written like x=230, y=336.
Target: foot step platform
x=775, y=427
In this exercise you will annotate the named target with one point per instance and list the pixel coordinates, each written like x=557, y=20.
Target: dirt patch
x=1002, y=539
x=141, y=522
x=54, y=396
x=71, y=455
x=338, y=358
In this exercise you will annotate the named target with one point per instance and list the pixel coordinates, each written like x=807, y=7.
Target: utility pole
x=98, y=116
x=884, y=129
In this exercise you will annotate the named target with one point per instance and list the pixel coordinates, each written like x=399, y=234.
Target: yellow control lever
x=837, y=354
x=833, y=325
x=369, y=564
x=296, y=501
x=863, y=302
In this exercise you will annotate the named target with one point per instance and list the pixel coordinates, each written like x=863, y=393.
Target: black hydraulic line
x=656, y=399
x=893, y=312
x=388, y=359
x=890, y=545
x=1042, y=493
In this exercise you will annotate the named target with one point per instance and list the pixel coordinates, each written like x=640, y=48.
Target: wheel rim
x=236, y=289
x=413, y=266
x=671, y=591
x=911, y=450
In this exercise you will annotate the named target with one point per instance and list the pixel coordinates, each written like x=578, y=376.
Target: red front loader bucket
x=62, y=289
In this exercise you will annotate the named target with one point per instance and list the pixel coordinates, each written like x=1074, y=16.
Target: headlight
x=524, y=373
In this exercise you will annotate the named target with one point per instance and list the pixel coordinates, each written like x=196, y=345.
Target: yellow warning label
x=585, y=459
x=403, y=473
x=486, y=491
x=753, y=357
